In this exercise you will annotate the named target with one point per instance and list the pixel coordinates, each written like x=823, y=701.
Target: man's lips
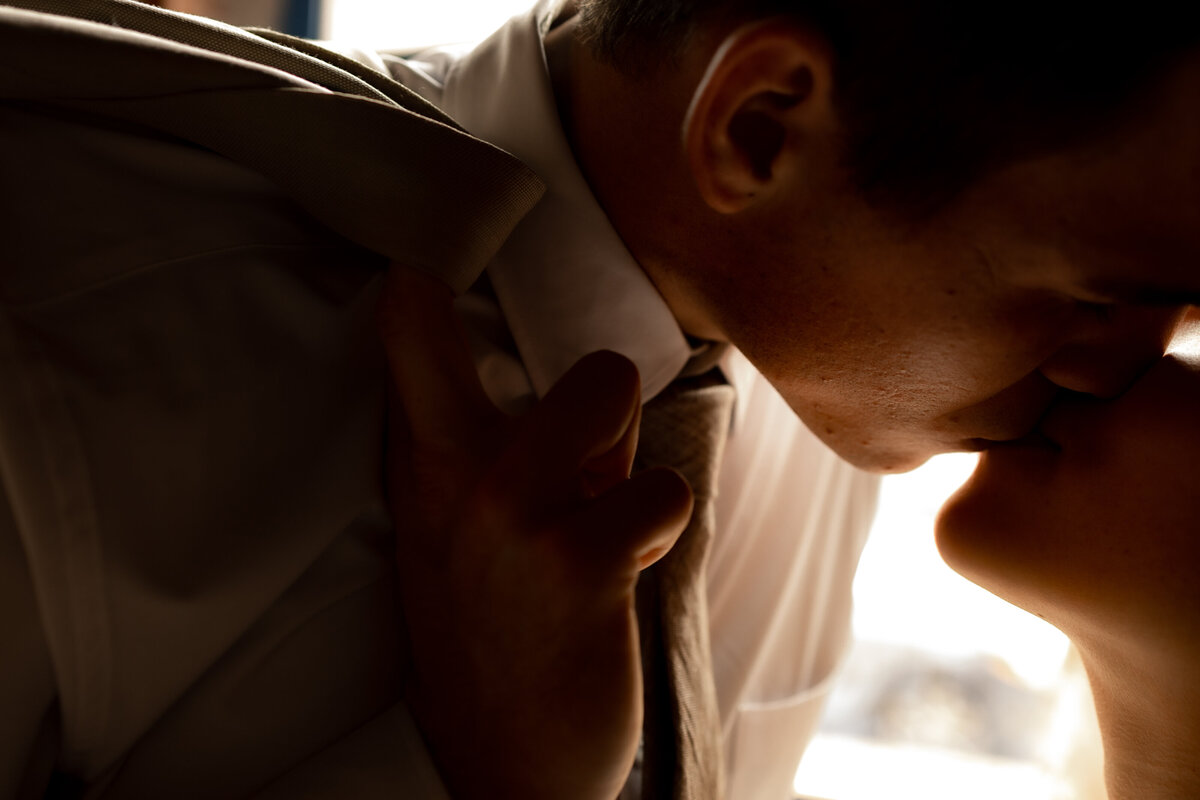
x=1017, y=462
x=1010, y=414
x=1034, y=439
x=977, y=444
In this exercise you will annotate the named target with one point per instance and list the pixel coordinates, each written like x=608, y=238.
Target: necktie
x=361, y=153
x=684, y=427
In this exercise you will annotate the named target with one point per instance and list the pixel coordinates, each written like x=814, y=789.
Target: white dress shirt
x=792, y=516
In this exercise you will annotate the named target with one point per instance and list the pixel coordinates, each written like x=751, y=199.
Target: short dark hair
x=934, y=92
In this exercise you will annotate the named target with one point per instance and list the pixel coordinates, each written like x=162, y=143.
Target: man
x=914, y=271
x=882, y=257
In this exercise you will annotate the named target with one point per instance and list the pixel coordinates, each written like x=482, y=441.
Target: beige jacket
x=195, y=558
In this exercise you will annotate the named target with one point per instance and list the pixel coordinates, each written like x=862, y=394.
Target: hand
x=519, y=543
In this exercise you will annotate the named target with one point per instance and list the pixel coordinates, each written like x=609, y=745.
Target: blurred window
x=949, y=692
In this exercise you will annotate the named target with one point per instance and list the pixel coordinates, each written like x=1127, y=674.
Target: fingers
x=606, y=470
x=433, y=375
x=576, y=445
x=635, y=523
x=580, y=440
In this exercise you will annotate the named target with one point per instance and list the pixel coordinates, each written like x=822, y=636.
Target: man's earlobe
x=765, y=95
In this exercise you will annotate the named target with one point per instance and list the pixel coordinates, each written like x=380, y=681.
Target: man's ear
x=764, y=105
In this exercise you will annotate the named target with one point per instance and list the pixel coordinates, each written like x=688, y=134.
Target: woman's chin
x=993, y=530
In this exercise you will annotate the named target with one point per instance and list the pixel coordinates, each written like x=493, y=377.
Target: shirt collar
x=565, y=281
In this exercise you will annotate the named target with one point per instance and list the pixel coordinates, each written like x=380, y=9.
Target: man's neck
x=624, y=132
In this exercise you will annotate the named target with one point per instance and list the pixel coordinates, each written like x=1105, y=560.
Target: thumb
x=635, y=523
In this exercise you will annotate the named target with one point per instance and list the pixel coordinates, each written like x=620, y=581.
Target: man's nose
x=1108, y=350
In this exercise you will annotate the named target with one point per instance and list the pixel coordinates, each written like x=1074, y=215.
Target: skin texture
x=1091, y=525
x=891, y=340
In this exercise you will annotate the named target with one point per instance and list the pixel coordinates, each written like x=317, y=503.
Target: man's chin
x=904, y=451
x=885, y=460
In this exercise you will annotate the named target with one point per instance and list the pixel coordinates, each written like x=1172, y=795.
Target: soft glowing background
x=906, y=596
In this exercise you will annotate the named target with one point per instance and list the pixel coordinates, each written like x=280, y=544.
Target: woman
x=1094, y=525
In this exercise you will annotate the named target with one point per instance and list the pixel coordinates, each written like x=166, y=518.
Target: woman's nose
x=1108, y=351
